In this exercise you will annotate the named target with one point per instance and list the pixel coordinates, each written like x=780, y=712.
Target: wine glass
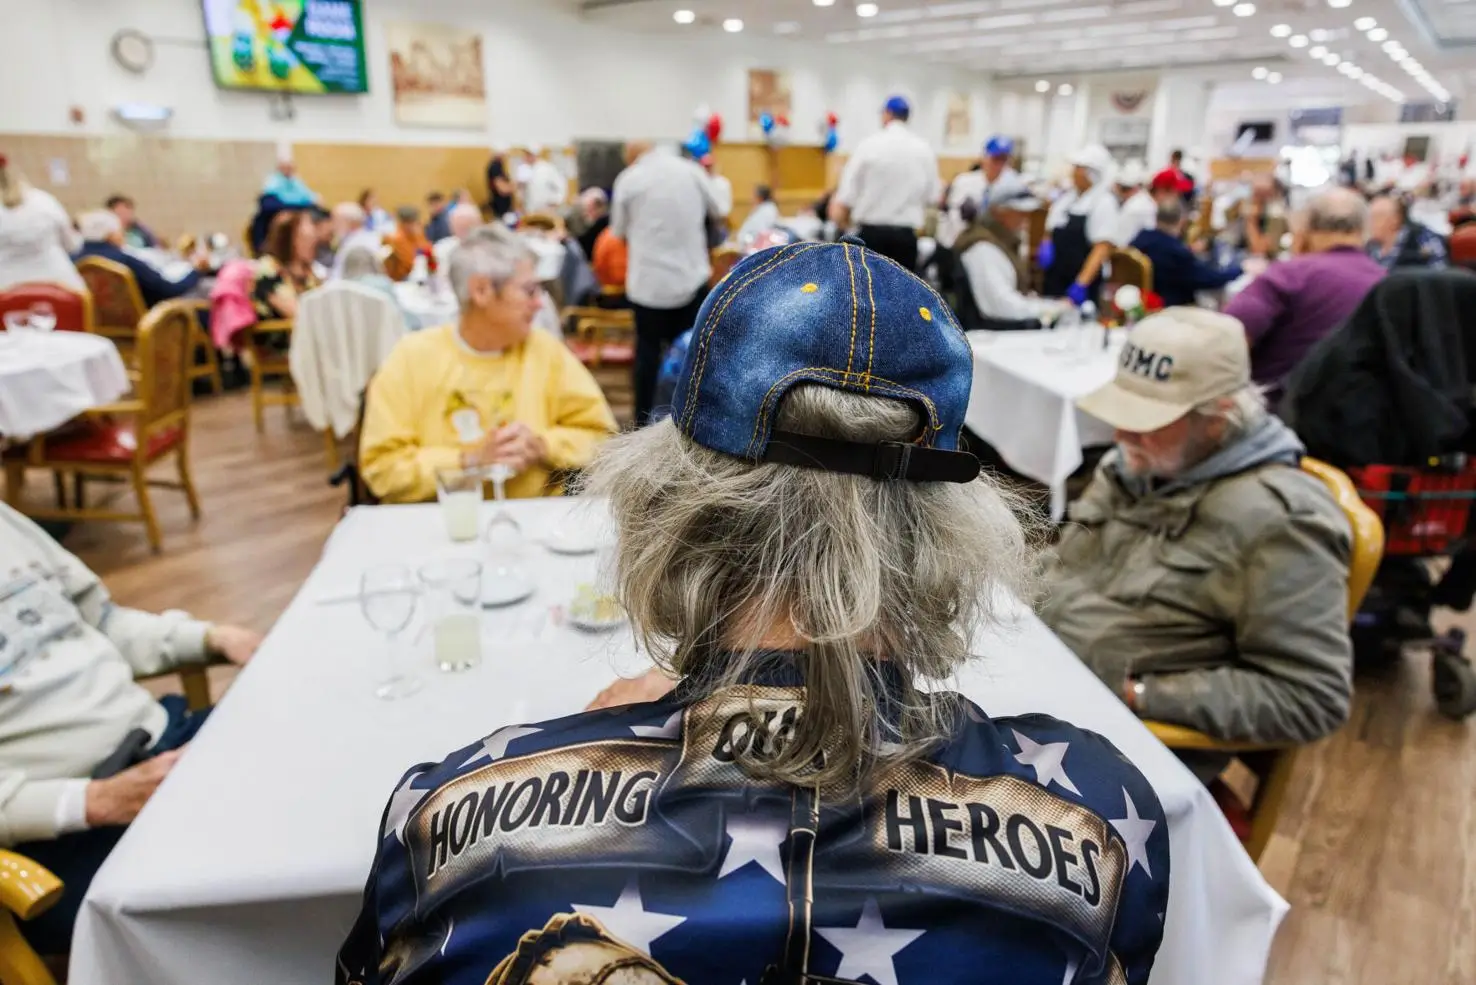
x=388, y=594
x=43, y=316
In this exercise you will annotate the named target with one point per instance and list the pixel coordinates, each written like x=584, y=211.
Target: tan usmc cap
x=1172, y=362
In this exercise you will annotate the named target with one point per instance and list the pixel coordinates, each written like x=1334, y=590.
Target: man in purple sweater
x=1290, y=307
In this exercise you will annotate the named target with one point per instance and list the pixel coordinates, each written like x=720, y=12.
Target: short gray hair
x=99, y=225
x=360, y=261
x=350, y=212
x=1171, y=212
x=1339, y=211
x=492, y=251
x=715, y=549
x=1242, y=411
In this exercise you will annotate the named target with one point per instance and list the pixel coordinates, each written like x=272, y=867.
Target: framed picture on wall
x=437, y=75
x=768, y=92
x=958, y=124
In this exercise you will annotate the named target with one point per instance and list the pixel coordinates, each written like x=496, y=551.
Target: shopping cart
x=1427, y=514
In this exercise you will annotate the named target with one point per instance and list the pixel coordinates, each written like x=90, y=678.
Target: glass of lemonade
x=460, y=494
x=453, y=598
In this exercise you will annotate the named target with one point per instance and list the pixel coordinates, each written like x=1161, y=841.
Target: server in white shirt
x=545, y=189
x=976, y=188
x=1082, y=225
x=991, y=264
x=1138, y=211
x=765, y=215
x=887, y=186
x=722, y=188
x=660, y=207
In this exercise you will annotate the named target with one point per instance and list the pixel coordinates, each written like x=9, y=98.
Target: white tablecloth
x=1024, y=403
x=48, y=378
x=246, y=867
x=424, y=308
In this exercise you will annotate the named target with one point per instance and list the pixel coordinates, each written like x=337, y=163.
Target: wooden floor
x=1376, y=850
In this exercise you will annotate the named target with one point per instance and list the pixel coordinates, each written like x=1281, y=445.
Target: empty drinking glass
x=453, y=598
x=460, y=494
x=387, y=597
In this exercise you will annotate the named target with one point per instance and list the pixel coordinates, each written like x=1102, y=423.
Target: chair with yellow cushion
x=269, y=360
x=1271, y=763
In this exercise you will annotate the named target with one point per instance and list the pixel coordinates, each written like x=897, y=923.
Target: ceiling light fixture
x=1297, y=40
x=1259, y=72
x=1377, y=34
x=1243, y=9
x=1330, y=59
x=1274, y=78
x=1224, y=3
x=1317, y=52
x=732, y=25
x=1319, y=35
x=1339, y=4
x=684, y=17
x=1042, y=86
x=1066, y=89
x=866, y=9
x=825, y=3
x=1281, y=31
x=1365, y=24
x=1392, y=46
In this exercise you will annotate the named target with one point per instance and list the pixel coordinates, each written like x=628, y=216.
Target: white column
x=1180, y=110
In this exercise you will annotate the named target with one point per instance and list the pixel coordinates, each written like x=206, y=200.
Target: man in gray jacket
x=82, y=747
x=1204, y=576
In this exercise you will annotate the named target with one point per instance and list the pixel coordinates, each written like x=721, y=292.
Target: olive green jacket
x=1226, y=599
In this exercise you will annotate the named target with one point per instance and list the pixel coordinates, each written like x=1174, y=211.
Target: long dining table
x=247, y=865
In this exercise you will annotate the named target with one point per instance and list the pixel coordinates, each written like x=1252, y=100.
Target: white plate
x=573, y=540
x=503, y=590
x=596, y=626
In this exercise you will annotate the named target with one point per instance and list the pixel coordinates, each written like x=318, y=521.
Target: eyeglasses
x=530, y=290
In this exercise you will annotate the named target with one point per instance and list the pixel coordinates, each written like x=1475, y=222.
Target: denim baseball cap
x=836, y=315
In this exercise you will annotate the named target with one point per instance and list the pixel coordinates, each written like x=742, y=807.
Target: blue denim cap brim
x=834, y=314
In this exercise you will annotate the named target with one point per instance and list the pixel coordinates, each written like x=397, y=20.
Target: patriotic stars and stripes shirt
x=627, y=846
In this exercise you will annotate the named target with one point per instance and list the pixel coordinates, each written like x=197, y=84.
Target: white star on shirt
x=494, y=746
x=868, y=948
x=755, y=839
x=629, y=919
x=1047, y=760
x=670, y=729
x=1135, y=831
x=402, y=804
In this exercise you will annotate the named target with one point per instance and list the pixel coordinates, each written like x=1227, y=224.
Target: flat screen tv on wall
x=295, y=46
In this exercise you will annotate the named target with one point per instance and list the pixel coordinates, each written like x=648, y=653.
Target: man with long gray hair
x=802, y=544
x=1289, y=308
x=486, y=391
x=1204, y=576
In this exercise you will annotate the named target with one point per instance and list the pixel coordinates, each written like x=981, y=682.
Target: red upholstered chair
x=118, y=301
x=73, y=308
x=124, y=440
x=1463, y=246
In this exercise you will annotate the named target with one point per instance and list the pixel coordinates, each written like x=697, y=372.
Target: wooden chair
x=1130, y=266
x=601, y=336
x=209, y=369
x=26, y=891
x=269, y=361
x=724, y=259
x=1271, y=763
x=118, y=301
x=73, y=308
x=124, y=440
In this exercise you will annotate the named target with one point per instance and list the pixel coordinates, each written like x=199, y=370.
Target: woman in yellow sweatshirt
x=486, y=391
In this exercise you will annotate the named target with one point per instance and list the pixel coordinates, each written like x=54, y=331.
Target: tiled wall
x=180, y=186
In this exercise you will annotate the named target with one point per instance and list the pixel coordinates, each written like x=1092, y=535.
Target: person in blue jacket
x=800, y=545
x=1178, y=275
x=102, y=236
